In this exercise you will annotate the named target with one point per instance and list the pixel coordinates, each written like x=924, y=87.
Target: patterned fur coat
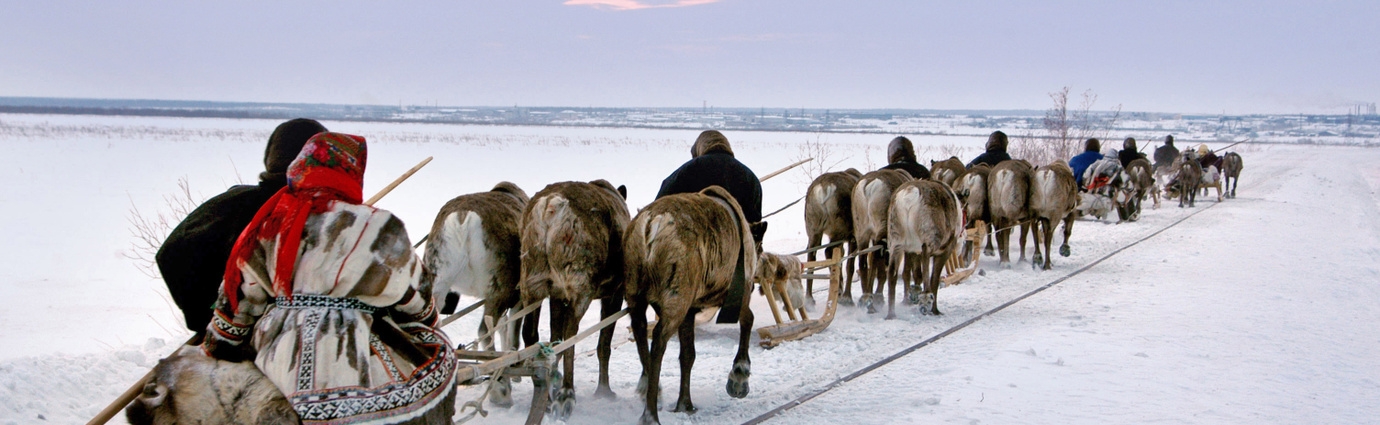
x=355, y=342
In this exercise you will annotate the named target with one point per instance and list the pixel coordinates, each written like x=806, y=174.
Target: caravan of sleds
x=574, y=242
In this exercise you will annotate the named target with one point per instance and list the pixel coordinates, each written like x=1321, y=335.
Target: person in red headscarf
x=321, y=292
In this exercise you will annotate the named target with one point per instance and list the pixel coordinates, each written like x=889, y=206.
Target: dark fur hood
x=710, y=141
x=996, y=142
x=900, y=150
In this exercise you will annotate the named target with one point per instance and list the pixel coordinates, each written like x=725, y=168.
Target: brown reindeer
x=474, y=250
x=1053, y=196
x=1136, y=181
x=1231, y=169
x=972, y=191
x=949, y=171
x=781, y=275
x=1008, y=193
x=871, y=203
x=925, y=226
x=189, y=387
x=683, y=253
x=572, y=252
x=1186, y=181
x=829, y=212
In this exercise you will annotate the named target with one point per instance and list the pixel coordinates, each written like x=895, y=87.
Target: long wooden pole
x=128, y=396
x=784, y=169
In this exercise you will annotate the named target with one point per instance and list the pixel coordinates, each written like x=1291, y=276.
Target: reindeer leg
x=652, y=368
x=608, y=306
x=852, y=263
x=932, y=286
x=1068, y=231
x=1036, y=233
x=846, y=298
x=1024, y=229
x=810, y=283
x=687, y=361
x=637, y=314
x=737, y=386
x=501, y=392
x=564, y=324
x=892, y=270
x=1048, y=229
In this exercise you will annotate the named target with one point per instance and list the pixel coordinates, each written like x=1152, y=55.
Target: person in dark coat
x=1128, y=152
x=1165, y=155
x=1080, y=163
x=996, y=151
x=1208, y=158
x=193, y=257
x=712, y=164
x=900, y=155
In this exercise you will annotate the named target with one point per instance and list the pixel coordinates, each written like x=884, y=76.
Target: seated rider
x=996, y=151
x=1079, y=163
x=322, y=293
x=901, y=156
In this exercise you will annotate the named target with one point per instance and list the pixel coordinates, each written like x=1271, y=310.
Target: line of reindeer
x=573, y=242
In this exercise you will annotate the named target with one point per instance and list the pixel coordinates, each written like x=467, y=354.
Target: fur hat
x=710, y=141
x=1169, y=140
x=1092, y=145
x=1129, y=144
x=285, y=143
x=1203, y=150
x=900, y=149
x=996, y=142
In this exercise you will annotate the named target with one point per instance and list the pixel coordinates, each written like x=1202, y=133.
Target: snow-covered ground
x=1258, y=309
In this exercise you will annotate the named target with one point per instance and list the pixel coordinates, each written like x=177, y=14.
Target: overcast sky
x=1190, y=56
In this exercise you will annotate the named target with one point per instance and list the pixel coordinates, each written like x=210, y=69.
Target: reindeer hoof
x=846, y=300
x=1065, y=251
x=685, y=406
x=604, y=393
x=648, y=418
x=563, y=404
x=914, y=297
x=501, y=393
x=738, y=380
x=891, y=316
x=866, y=301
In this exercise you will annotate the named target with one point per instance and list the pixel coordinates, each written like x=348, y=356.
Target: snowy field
x=1259, y=309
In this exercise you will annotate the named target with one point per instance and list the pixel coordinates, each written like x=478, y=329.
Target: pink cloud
x=635, y=4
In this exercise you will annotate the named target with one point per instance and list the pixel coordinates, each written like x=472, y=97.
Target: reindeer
x=871, y=203
x=1231, y=168
x=190, y=387
x=1136, y=181
x=683, y=252
x=925, y=226
x=1190, y=175
x=572, y=252
x=949, y=171
x=781, y=275
x=972, y=190
x=1008, y=193
x=474, y=250
x=1053, y=196
x=829, y=212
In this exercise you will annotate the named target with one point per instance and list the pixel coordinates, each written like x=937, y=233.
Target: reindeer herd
x=574, y=242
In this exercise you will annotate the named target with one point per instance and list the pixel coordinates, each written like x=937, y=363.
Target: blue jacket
x=1081, y=162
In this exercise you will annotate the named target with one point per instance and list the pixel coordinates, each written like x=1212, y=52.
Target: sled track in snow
x=883, y=362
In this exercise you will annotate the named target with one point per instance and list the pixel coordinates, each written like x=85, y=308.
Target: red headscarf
x=330, y=168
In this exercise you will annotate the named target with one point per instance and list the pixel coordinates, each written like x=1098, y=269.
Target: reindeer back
x=872, y=200
x=829, y=205
x=1008, y=190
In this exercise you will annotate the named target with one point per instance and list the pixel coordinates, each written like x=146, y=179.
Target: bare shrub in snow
x=149, y=231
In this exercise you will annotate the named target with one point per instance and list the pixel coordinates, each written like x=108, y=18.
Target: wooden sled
x=536, y=361
x=964, y=261
x=799, y=328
